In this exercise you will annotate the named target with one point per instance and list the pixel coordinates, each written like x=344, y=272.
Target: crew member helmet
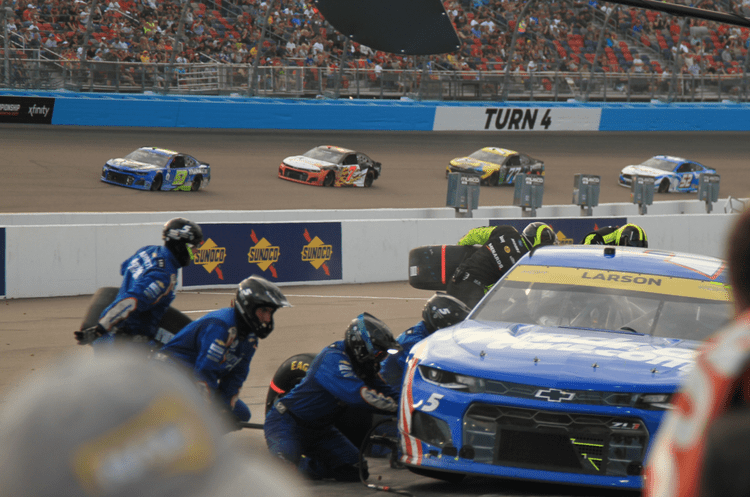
x=632, y=235
x=254, y=292
x=181, y=236
x=538, y=233
x=443, y=310
x=368, y=341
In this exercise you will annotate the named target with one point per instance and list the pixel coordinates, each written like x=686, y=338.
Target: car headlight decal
x=454, y=381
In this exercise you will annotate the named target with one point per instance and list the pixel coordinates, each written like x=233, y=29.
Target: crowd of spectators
x=556, y=35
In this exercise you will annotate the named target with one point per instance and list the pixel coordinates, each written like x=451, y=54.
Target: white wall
x=76, y=259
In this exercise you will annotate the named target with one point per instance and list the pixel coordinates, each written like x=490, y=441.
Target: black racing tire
x=432, y=266
x=369, y=178
x=287, y=376
x=664, y=186
x=354, y=423
x=330, y=179
x=196, y=184
x=492, y=180
x=173, y=320
x=156, y=184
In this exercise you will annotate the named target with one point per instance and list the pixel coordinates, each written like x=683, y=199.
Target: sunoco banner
x=569, y=231
x=26, y=110
x=279, y=252
x=516, y=119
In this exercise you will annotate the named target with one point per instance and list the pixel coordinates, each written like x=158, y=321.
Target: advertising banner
x=26, y=110
x=516, y=119
x=568, y=231
x=279, y=252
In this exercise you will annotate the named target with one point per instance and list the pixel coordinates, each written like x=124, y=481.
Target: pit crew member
x=630, y=235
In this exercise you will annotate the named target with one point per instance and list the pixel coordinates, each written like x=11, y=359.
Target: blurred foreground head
x=112, y=424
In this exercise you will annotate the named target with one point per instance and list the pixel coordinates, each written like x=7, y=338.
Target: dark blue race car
x=562, y=373
x=152, y=168
x=671, y=174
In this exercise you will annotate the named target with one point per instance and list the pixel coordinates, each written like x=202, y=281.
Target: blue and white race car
x=562, y=373
x=152, y=168
x=671, y=174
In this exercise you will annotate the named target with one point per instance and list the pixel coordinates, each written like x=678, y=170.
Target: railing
x=294, y=81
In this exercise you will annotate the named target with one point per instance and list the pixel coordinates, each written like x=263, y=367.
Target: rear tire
x=432, y=266
x=156, y=184
x=196, y=184
x=369, y=178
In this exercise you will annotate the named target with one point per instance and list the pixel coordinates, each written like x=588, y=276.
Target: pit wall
x=228, y=112
x=76, y=258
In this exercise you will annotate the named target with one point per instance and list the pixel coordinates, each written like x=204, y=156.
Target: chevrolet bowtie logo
x=554, y=395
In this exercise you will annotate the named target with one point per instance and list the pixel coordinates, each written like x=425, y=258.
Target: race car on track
x=496, y=166
x=671, y=174
x=330, y=166
x=152, y=168
x=563, y=371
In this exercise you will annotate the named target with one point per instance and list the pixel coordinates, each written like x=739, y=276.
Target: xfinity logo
x=554, y=395
x=34, y=110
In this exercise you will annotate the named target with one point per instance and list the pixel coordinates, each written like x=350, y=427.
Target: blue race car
x=152, y=168
x=671, y=174
x=563, y=371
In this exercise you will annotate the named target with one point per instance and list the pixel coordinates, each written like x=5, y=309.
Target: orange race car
x=330, y=166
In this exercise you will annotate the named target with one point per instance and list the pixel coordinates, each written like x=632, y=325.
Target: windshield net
x=660, y=306
x=148, y=157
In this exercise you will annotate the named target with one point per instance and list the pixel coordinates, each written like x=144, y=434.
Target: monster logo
x=210, y=256
x=316, y=252
x=263, y=254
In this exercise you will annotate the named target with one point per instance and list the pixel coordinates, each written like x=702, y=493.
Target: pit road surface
x=48, y=169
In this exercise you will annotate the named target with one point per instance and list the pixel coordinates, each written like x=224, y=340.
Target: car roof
x=160, y=151
x=672, y=158
x=499, y=151
x=337, y=149
x=631, y=260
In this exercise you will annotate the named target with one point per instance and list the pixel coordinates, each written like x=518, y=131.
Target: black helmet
x=254, y=292
x=443, y=310
x=368, y=341
x=632, y=235
x=538, y=233
x=180, y=237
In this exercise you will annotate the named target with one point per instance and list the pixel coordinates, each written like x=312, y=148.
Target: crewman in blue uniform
x=440, y=311
x=300, y=427
x=147, y=289
x=218, y=347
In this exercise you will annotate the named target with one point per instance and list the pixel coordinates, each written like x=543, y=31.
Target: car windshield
x=487, y=156
x=664, y=165
x=148, y=157
x=659, y=306
x=326, y=154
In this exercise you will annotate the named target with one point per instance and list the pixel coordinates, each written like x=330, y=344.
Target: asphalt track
x=52, y=169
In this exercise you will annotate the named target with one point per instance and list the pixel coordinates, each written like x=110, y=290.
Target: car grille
x=555, y=441
x=295, y=175
x=115, y=177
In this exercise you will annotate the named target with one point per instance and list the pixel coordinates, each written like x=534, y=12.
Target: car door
x=177, y=174
x=686, y=173
x=515, y=165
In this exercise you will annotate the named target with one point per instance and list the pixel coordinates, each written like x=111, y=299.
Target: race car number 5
x=432, y=403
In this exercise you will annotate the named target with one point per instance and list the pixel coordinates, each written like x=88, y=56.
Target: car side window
x=684, y=168
x=178, y=161
x=350, y=160
x=514, y=161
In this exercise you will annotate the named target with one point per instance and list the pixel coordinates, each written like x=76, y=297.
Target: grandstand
x=565, y=49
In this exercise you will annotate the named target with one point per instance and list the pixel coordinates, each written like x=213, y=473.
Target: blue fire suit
x=219, y=359
x=300, y=428
x=394, y=365
x=147, y=290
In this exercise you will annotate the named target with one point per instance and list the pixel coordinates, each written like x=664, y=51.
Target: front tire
x=664, y=186
x=156, y=184
x=330, y=179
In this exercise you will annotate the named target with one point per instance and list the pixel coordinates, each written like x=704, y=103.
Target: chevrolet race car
x=496, y=166
x=563, y=372
x=152, y=168
x=330, y=166
x=671, y=174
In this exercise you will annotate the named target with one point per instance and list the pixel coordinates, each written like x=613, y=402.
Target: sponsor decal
x=263, y=254
x=210, y=256
x=29, y=110
x=554, y=395
x=316, y=252
x=564, y=240
x=516, y=119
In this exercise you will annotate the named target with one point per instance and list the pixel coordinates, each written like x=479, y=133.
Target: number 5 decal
x=432, y=403
x=686, y=180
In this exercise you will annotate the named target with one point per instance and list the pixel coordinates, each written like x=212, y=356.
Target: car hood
x=131, y=164
x=644, y=171
x=468, y=162
x=564, y=358
x=308, y=164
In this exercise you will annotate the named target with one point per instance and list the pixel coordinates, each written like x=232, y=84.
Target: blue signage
x=569, y=231
x=279, y=252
